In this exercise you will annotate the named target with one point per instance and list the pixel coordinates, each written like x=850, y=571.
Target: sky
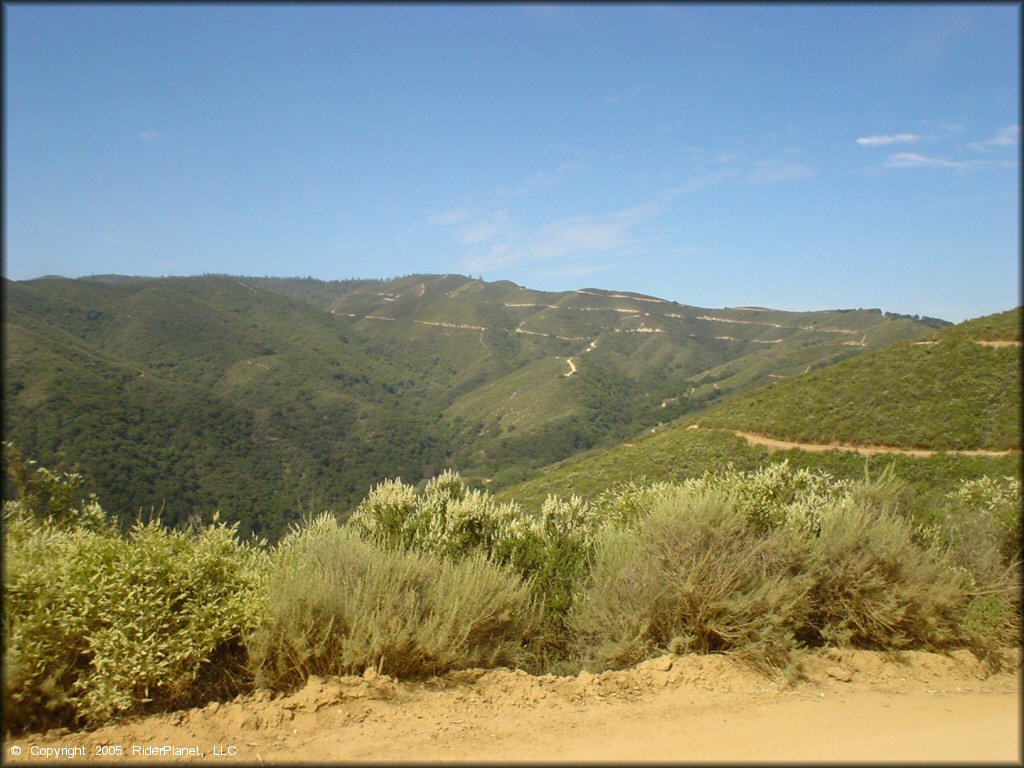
x=795, y=157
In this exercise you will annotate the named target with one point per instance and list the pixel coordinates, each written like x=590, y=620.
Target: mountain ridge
x=268, y=396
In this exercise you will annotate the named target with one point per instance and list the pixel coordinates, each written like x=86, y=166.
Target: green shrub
x=693, y=577
x=100, y=623
x=980, y=526
x=979, y=532
x=42, y=493
x=777, y=494
x=446, y=519
x=549, y=549
x=876, y=587
x=337, y=604
x=625, y=503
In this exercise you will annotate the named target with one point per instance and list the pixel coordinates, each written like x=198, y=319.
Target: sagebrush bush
x=446, y=519
x=337, y=604
x=694, y=576
x=876, y=587
x=774, y=495
x=979, y=532
x=100, y=623
x=550, y=549
x=980, y=527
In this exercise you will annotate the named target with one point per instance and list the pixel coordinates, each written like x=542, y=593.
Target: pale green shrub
x=624, y=504
x=449, y=520
x=337, y=604
x=980, y=527
x=446, y=519
x=775, y=494
x=695, y=576
x=979, y=533
x=100, y=624
x=876, y=587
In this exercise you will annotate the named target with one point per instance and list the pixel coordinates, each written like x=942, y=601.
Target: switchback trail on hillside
x=851, y=705
x=772, y=444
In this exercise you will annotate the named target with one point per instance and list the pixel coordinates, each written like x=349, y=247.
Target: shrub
x=625, y=503
x=875, y=587
x=337, y=604
x=100, y=623
x=550, y=549
x=775, y=494
x=693, y=577
x=979, y=534
x=446, y=519
x=980, y=527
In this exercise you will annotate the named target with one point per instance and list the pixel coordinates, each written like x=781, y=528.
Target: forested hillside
x=267, y=397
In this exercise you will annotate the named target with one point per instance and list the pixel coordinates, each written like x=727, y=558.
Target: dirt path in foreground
x=855, y=706
x=865, y=450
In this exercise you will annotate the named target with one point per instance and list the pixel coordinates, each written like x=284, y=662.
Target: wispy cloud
x=773, y=171
x=574, y=242
x=541, y=179
x=714, y=166
x=492, y=237
x=698, y=182
x=895, y=138
x=148, y=135
x=485, y=226
x=453, y=216
x=914, y=160
x=473, y=225
x=1004, y=138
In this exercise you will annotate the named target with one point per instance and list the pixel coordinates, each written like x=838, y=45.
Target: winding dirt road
x=772, y=444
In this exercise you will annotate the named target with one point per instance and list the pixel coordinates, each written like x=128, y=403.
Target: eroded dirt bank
x=855, y=706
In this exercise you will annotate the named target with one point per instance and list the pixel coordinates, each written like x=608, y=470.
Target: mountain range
x=270, y=398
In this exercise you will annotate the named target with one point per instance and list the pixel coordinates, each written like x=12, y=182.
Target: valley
x=263, y=397
x=564, y=499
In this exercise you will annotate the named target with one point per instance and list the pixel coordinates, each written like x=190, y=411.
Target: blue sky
x=795, y=157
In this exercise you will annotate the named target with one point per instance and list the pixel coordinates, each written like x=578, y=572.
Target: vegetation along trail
x=853, y=705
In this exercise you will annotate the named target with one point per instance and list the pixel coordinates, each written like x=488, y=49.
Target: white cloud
x=880, y=141
x=914, y=160
x=541, y=179
x=571, y=243
x=698, y=182
x=451, y=217
x=772, y=171
x=148, y=135
x=485, y=226
x=1004, y=138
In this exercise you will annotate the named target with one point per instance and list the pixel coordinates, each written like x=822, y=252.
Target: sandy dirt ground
x=856, y=706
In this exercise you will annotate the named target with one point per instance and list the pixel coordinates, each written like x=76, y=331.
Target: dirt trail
x=999, y=343
x=865, y=450
x=853, y=705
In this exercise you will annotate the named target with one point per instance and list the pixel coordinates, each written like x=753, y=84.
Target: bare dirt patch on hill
x=852, y=705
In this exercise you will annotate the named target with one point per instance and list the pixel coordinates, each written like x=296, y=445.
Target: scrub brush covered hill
x=954, y=391
x=956, y=395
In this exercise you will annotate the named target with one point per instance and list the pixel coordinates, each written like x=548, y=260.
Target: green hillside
x=635, y=361
x=953, y=394
x=194, y=395
x=267, y=397
x=949, y=393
